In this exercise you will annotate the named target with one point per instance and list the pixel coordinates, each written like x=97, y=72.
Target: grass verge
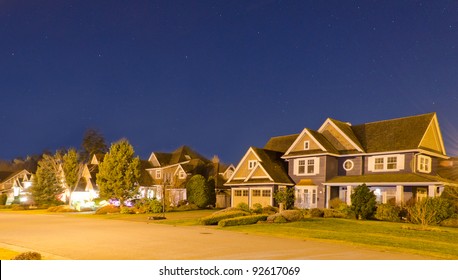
x=435, y=242
x=6, y=254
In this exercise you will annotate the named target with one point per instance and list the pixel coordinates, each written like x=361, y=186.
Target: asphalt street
x=72, y=238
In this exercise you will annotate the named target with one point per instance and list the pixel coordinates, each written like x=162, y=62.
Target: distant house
x=399, y=159
x=16, y=185
x=171, y=171
x=86, y=189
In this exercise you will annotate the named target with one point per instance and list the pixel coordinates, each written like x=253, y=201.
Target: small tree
x=430, y=211
x=46, y=183
x=285, y=196
x=72, y=171
x=200, y=191
x=119, y=173
x=363, y=202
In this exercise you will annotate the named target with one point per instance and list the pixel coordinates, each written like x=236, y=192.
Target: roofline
x=304, y=131
x=320, y=130
x=372, y=154
x=406, y=117
x=167, y=166
x=242, y=160
x=387, y=183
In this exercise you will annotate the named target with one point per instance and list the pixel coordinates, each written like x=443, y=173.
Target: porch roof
x=392, y=178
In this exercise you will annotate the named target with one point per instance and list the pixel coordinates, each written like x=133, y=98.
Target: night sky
x=219, y=76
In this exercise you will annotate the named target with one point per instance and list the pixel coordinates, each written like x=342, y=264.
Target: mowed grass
x=434, y=242
x=6, y=254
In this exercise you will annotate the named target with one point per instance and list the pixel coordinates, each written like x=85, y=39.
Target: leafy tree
x=285, y=196
x=73, y=170
x=200, y=191
x=363, y=202
x=46, y=182
x=93, y=143
x=119, y=172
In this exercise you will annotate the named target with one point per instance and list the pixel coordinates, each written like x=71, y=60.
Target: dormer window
x=306, y=145
x=424, y=164
x=251, y=164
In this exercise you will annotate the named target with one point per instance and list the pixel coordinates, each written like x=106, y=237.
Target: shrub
x=187, y=207
x=292, y=215
x=333, y=213
x=28, y=256
x=430, y=211
x=257, y=208
x=127, y=210
x=148, y=205
x=285, y=196
x=107, y=209
x=335, y=203
x=269, y=210
x=200, y=191
x=215, y=218
x=451, y=222
x=3, y=199
x=243, y=206
x=363, y=202
x=316, y=213
x=245, y=220
x=388, y=212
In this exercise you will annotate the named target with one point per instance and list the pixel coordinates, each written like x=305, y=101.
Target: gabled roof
x=180, y=155
x=393, y=135
x=280, y=143
x=270, y=162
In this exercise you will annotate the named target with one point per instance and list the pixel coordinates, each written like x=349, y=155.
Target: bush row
x=243, y=220
x=218, y=216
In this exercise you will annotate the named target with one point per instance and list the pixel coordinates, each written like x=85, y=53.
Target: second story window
x=251, y=164
x=307, y=166
x=386, y=163
x=306, y=145
x=424, y=164
x=158, y=174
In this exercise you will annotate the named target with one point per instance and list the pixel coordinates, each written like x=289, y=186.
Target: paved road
x=64, y=237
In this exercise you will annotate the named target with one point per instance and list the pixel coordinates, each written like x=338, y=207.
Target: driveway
x=67, y=237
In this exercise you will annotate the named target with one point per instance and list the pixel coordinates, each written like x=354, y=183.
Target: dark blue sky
x=219, y=76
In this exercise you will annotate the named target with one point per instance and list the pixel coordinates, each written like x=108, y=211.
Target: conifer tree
x=47, y=185
x=119, y=172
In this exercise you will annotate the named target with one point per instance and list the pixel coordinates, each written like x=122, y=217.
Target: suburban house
x=16, y=185
x=86, y=189
x=170, y=172
x=399, y=159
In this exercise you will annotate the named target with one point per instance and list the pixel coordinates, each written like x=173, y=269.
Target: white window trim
x=316, y=169
x=352, y=165
x=306, y=145
x=252, y=164
x=400, y=162
x=181, y=174
x=158, y=174
x=427, y=168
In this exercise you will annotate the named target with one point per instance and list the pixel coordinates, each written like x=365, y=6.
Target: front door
x=306, y=197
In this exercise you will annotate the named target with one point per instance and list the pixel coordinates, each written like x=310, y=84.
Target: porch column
x=232, y=197
x=349, y=192
x=328, y=196
x=399, y=195
x=432, y=191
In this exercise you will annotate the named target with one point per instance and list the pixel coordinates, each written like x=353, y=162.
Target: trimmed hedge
x=107, y=209
x=28, y=256
x=61, y=208
x=244, y=220
x=292, y=215
x=214, y=219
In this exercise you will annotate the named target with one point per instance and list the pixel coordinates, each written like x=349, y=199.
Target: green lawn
x=436, y=242
x=6, y=254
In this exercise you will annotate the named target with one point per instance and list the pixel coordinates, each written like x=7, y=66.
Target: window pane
x=392, y=163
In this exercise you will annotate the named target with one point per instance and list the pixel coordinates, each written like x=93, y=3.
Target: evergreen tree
x=46, y=183
x=119, y=173
x=363, y=202
x=93, y=143
x=200, y=191
x=73, y=170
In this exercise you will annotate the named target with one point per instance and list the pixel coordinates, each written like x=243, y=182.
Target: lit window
x=306, y=145
x=424, y=164
x=348, y=165
x=251, y=164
